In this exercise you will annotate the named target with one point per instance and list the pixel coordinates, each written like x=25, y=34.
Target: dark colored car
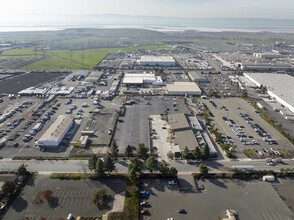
x=181, y=211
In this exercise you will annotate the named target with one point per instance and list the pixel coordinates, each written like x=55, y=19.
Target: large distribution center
x=157, y=61
x=280, y=86
x=56, y=132
x=265, y=66
x=142, y=78
x=183, y=88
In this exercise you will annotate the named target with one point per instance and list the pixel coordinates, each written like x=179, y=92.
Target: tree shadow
x=218, y=183
x=53, y=202
x=31, y=182
x=20, y=204
x=107, y=204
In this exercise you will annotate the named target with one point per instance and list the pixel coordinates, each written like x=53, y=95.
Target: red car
x=144, y=211
x=133, y=148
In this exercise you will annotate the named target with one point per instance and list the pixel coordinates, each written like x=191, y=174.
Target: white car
x=172, y=182
x=171, y=219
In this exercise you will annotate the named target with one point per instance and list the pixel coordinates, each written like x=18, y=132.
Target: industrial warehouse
x=157, y=61
x=188, y=132
x=56, y=132
x=183, y=88
x=283, y=91
x=138, y=79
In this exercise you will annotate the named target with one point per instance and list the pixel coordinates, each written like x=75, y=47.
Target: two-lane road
x=80, y=166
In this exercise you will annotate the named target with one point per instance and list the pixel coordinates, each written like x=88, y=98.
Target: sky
x=283, y=9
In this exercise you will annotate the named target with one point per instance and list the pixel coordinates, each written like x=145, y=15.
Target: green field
x=69, y=59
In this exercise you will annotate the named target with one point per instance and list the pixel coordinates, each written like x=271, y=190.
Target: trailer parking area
x=69, y=196
x=232, y=109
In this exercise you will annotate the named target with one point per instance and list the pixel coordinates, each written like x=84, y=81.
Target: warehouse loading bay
x=230, y=109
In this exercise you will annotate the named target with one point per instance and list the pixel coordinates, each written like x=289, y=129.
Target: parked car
x=144, y=203
x=144, y=192
x=181, y=211
x=144, y=211
x=172, y=182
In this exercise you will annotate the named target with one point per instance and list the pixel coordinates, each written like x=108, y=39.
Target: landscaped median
x=250, y=153
x=131, y=206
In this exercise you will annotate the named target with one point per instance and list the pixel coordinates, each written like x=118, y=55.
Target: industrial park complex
x=146, y=123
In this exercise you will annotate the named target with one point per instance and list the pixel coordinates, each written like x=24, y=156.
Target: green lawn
x=70, y=59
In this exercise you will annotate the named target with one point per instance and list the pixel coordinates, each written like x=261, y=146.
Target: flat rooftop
x=57, y=129
x=157, y=59
x=282, y=85
x=185, y=138
x=178, y=121
x=183, y=87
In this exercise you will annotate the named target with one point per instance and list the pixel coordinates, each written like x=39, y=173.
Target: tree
x=203, y=169
x=152, y=164
x=164, y=168
x=132, y=175
x=92, y=161
x=136, y=164
x=114, y=150
x=142, y=151
x=21, y=170
x=185, y=153
x=8, y=187
x=100, y=197
x=108, y=164
x=173, y=172
x=128, y=151
x=244, y=94
x=197, y=153
x=99, y=170
x=205, y=152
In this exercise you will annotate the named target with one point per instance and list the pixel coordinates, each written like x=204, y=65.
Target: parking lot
x=256, y=200
x=69, y=196
x=220, y=84
x=176, y=76
x=229, y=116
x=134, y=126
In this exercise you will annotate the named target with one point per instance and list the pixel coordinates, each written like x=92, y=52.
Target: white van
x=69, y=217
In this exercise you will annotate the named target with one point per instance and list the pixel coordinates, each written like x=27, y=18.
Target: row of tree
x=197, y=153
x=101, y=166
x=152, y=164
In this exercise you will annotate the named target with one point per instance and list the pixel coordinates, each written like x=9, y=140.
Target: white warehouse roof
x=280, y=86
x=55, y=133
x=140, y=78
x=157, y=60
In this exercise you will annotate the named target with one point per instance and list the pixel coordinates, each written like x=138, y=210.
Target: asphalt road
x=122, y=166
